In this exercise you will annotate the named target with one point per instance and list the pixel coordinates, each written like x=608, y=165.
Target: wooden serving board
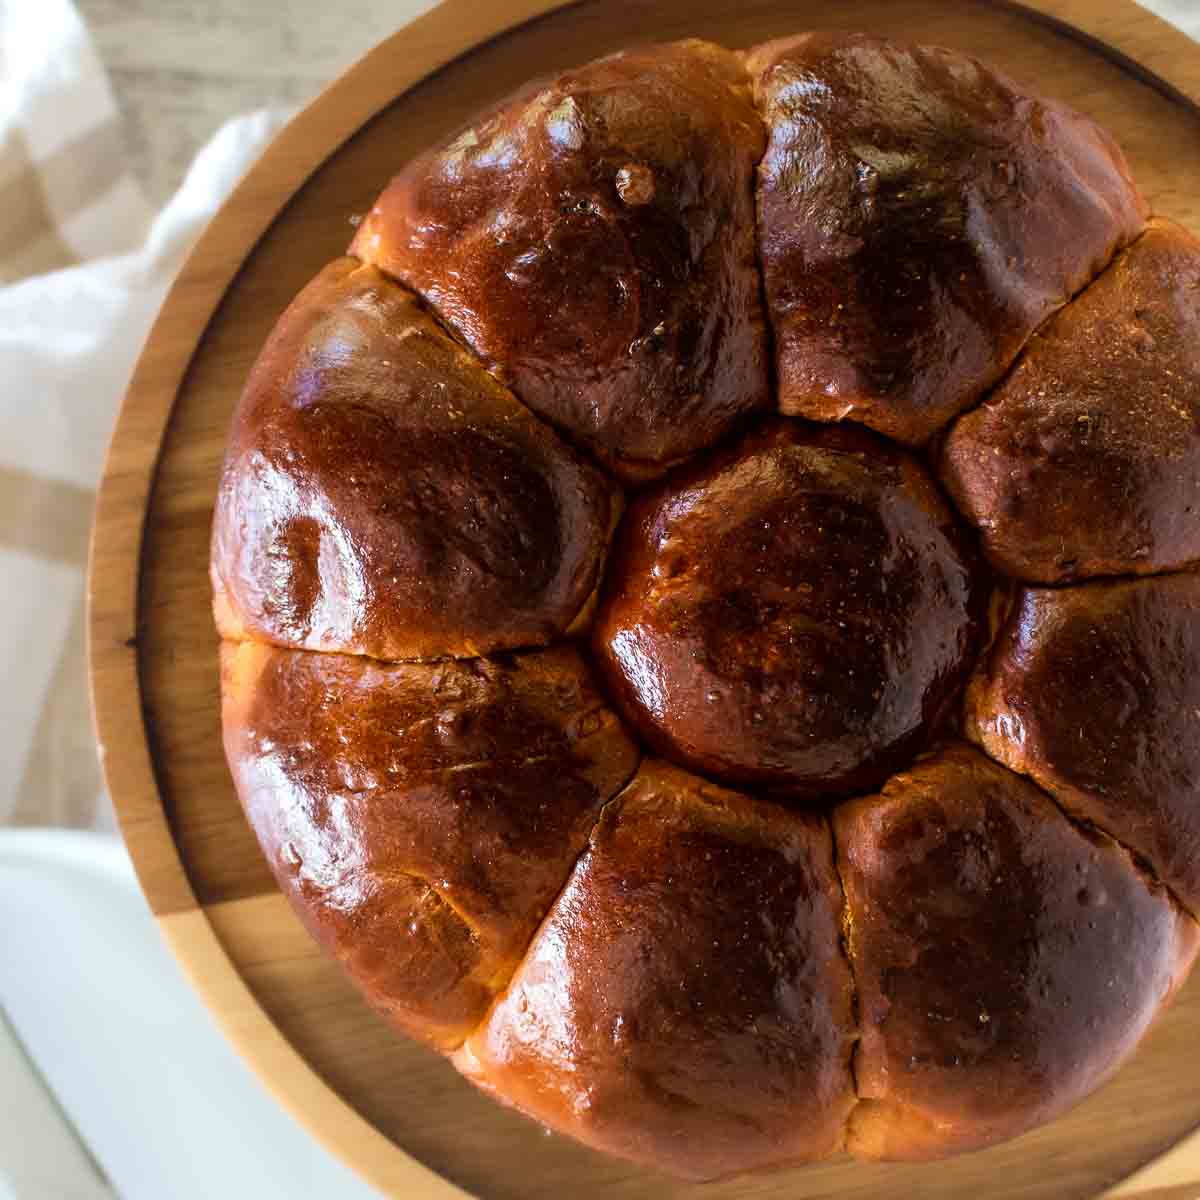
x=396, y=1112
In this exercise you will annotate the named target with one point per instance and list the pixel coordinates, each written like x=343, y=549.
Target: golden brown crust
x=419, y=817
x=1094, y=691
x=919, y=216
x=1006, y=962
x=592, y=239
x=1086, y=460
x=663, y=968
x=685, y=1003
x=799, y=611
x=383, y=495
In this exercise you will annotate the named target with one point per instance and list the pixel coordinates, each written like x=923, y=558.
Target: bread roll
x=1094, y=691
x=554, y=333
x=383, y=495
x=592, y=239
x=919, y=216
x=685, y=1003
x=1101, y=416
x=421, y=817
x=798, y=612
x=1006, y=961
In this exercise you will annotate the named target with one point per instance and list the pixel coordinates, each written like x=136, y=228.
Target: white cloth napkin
x=68, y=340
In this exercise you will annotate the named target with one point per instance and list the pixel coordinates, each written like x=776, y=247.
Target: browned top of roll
x=1006, y=962
x=798, y=611
x=383, y=495
x=1086, y=460
x=592, y=238
x=919, y=216
x=421, y=817
x=685, y=1003
x=1094, y=691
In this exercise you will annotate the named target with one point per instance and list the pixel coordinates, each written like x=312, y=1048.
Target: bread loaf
x=614, y=690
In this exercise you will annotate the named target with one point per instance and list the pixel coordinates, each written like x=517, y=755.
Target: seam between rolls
x=1191, y=567
x=845, y=940
x=428, y=309
x=494, y=655
x=564, y=436
x=760, y=269
x=618, y=505
x=1089, y=828
x=935, y=446
x=618, y=495
x=981, y=673
x=519, y=959
x=1138, y=861
x=1002, y=606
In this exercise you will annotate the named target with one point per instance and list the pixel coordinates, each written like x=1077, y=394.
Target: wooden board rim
x=1121, y=30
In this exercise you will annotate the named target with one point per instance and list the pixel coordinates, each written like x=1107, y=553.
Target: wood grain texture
x=1187, y=1192
x=180, y=68
x=372, y=1097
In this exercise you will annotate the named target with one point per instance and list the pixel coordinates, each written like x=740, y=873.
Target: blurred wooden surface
x=180, y=68
x=371, y=1096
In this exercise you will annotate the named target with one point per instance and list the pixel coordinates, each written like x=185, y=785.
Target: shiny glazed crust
x=1101, y=416
x=685, y=1003
x=515, y=487
x=919, y=216
x=742, y=673
x=384, y=496
x=425, y=858
x=1006, y=961
x=593, y=241
x=1094, y=692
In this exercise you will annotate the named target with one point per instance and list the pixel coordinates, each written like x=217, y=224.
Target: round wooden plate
x=394, y=1111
